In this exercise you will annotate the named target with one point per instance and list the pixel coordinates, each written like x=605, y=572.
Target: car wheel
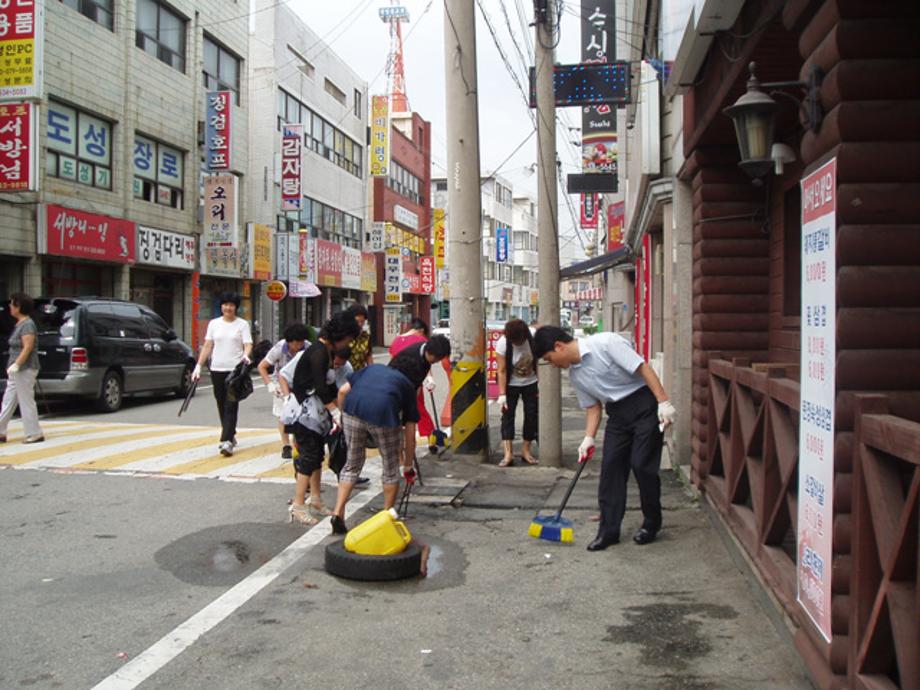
x=186, y=382
x=353, y=566
x=112, y=395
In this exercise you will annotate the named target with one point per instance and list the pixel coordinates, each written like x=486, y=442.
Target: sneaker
x=226, y=449
x=233, y=443
x=287, y=452
x=34, y=439
x=361, y=481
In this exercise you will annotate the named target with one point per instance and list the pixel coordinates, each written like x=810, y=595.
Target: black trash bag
x=239, y=383
x=338, y=451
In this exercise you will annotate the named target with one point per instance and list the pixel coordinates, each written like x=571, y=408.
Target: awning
x=597, y=264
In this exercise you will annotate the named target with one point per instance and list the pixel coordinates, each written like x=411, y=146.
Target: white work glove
x=666, y=414
x=246, y=360
x=13, y=368
x=336, y=416
x=428, y=383
x=196, y=373
x=502, y=402
x=586, y=449
x=274, y=388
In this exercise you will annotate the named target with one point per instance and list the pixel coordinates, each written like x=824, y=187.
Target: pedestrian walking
x=228, y=341
x=606, y=371
x=295, y=336
x=517, y=379
x=314, y=378
x=380, y=401
x=362, y=352
x=417, y=333
x=415, y=361
x=22, y=371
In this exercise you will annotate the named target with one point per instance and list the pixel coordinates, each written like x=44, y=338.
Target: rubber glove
x=428, y=384
x=336, y=416
x=502, y=402
x=409, y=475
x=196, y=373
x=13, y=368
x=274, y=388
x=586, y=449
x=666, y=414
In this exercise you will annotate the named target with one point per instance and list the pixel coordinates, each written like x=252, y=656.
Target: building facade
x=299, y=81
x=119, y=124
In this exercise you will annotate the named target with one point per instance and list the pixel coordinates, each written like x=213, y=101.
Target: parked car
x=103, y=349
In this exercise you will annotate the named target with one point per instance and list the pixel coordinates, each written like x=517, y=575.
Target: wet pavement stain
x=669, y=634
x=222, y=556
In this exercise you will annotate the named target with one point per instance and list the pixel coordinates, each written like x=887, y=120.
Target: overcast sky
x=356, y=33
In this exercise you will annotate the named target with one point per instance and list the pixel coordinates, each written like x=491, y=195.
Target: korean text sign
x=20, y=49
x=168, y=249
x=260, y=250
x=440, y=236
x=589, y=203
x=501, y=245
x=598, y=123
x=616, y=219
x=375, y=237
x=426, y=274
x=380, y=137
x=393, y=274
x=818, y=395
x=291, y=167
x=68, y=232
x=220, y=211
x=218, y=132
x=18, y=150
x=329, y=259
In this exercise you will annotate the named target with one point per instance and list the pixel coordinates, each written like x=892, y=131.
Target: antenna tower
x=395, y=15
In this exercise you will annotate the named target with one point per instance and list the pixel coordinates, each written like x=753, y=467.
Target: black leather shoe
x=645, y=536
x=433, y=449
x=601, y=543
x=361, y=481
x=338, y=525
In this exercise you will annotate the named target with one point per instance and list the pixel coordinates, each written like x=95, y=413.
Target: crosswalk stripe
x=287, y=470
x=68, y=445
x=256, y=467
x=48, y=429
x=212, y=464
x=159, y=462
x=189, y=441
x=53, y=440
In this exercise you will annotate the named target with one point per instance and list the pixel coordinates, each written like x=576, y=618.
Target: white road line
x=177, y=641
x=164, y=462
x=64, y=441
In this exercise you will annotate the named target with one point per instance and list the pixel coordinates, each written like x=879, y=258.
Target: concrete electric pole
x=469, y=428
x=550, y=438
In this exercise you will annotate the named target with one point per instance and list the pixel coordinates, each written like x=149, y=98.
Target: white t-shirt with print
x=522, y=373
x=229, y=337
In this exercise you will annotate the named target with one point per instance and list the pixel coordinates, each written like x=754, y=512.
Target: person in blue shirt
x=379, y=401
x=606, y=371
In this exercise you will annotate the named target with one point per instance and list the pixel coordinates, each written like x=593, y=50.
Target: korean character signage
x=598, y=123
x=589, y=211
x=260, y=251
x=380, y=137
x=393, y=274
x=818, y=395
x=616, y=219
x=440, y=236
x=218, y=130
x=426, y=274
x=220, y=211
x=374, y=239
x=493, y=335
x=157, y=163
x=501, y=245
x=291, y=167
x=220, y=261
x=68, y=232
x=21, y=29
x=329, y=260
x=281, y=256
x=167, y=249
x=404, y=216
x=368, y=272
x=351, y=268
x=307, y=257
x=81, y=144
x=18, y=147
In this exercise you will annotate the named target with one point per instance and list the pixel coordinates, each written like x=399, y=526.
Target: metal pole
x=469, y=426
x=550, y=435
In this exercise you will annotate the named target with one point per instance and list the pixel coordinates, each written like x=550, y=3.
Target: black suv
x=103, y=349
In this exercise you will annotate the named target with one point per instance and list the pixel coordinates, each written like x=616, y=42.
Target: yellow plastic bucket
x=380, y=535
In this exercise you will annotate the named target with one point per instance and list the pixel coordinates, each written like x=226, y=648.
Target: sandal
x=315, y=505
x=301, y=514
x=530, y=460
x=506, y=462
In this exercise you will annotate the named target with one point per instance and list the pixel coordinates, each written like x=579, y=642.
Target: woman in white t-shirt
x=228, y=341
x=517, y=378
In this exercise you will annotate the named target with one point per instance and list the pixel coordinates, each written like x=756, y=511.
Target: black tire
x=186, y=381
x=353, y=566
x=112, y=394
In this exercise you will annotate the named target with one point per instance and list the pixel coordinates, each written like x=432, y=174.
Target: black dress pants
x=227, y=410
x=530, y=396
x=631, y=441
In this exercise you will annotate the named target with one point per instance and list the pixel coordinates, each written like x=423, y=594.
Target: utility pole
x=550, y=438
x=469, y=427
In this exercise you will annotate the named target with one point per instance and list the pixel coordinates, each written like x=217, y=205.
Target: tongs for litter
x=403, y=507
x=188, y=398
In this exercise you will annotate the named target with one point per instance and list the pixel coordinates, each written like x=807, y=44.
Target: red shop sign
x=68, y=232
x=426, y=274
x=17, y=147
x=329, y=259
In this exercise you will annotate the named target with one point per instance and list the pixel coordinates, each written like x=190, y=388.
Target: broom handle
x=434, y=407
x=571, y=488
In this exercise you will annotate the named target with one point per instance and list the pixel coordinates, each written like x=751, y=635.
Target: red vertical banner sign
x=494, y=335
x=291, y=171
x=589, y=204
x=21, y=46
x=646, y=297
x=616, y=219
x=18, y=147
x=196, y=305
x=426, y=274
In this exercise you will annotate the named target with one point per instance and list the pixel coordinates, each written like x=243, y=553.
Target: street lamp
x=754, y=117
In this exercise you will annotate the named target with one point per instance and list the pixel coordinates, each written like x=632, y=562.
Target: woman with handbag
x=314, y=388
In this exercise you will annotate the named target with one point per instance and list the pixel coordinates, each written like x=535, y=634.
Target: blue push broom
x=555, y=527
